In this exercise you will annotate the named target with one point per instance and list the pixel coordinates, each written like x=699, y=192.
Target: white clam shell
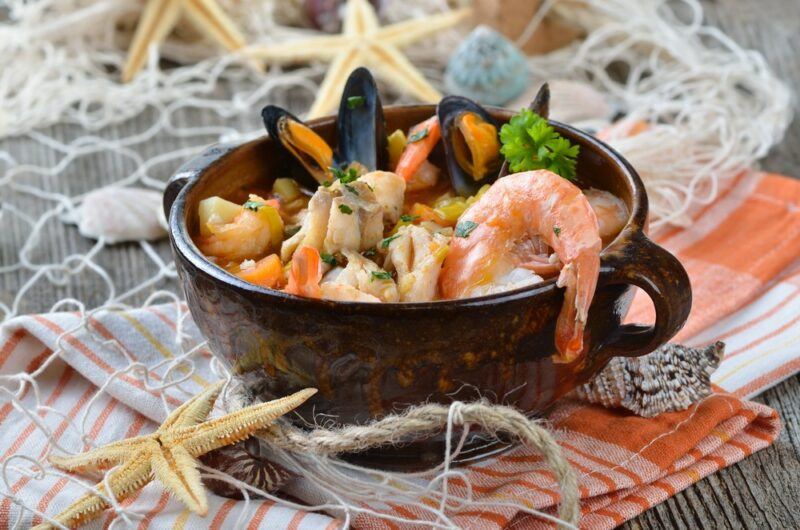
x=571, y=101
x=121, y=214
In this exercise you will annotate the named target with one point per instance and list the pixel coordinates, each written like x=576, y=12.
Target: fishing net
x=68, y=127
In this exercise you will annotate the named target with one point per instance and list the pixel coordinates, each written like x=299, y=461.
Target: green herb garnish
x=529, y=143
x=330, y=259
x=350, y=188
x=354, y=102
x=369, y=253
x=464, y=228
x=557, y=231
x=417, y=136
x=406, y=218
x=345, y=209
x=387, y=241
x=327, y=183
x=346, y=177
x=381, y=275
x=253, y=205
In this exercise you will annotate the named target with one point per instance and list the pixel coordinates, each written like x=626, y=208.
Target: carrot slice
x=267, y=272
x=426, y=213
x=421, y=140
x=305, y=274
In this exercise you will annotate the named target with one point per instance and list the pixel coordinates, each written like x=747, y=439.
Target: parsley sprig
x=529, y=143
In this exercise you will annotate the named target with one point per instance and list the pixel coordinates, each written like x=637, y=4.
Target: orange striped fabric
x=741, y=255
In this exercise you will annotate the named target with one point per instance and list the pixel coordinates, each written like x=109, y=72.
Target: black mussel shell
x=448, y=111
x=272, y=115
x=541, y=106
x=361, y=125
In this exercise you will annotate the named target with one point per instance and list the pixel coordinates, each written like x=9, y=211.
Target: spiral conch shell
x=121, y=214
x=671, y=378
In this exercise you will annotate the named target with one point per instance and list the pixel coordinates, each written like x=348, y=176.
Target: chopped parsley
x=350, y=188
x=369, y=253
x=381, y=275
x=387, y=241
x=464, y=228
x=530, y=143
x=253, y=205
x=345, y=209
x=354, y=102
x=557, y=231
x=406, y=218
x=327, y=183
x=346, y=177
x=417, y=136
x=330, y=259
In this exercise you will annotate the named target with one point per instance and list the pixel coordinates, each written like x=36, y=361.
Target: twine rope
x=418, y=421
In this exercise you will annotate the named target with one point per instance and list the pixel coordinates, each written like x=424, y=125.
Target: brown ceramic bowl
x=370, y=359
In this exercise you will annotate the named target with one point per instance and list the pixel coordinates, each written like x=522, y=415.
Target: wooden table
x=760, y=492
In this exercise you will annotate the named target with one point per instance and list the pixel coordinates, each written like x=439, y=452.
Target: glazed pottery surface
x=371, y=359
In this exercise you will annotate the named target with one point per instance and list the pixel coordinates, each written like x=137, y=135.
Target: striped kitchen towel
x=741, y=255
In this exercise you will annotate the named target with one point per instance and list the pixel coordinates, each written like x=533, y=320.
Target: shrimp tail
x=305, y=274
x=579, y=277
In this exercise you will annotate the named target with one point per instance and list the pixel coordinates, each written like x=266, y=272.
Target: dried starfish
x=168, y=454
x=363, y=42
x=160, y=16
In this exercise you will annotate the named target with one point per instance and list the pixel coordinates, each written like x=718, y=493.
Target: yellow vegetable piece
x=452, y=210
x=397, y=143
x=216, y=211
x=287, y=189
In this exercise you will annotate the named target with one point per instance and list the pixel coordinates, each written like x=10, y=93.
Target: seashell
x=571, y=101
x=121, y=214
x=669, y=379
x=248, y=462
x=487, y=67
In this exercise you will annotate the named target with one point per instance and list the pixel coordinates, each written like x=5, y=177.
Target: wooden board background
x=761, y=492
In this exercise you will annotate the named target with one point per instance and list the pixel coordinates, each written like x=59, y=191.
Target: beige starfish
x=160, y=16
x=168, y=454
x=363, y=42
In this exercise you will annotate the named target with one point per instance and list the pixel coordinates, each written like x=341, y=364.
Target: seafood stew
x=367, y=359
x=382, y=218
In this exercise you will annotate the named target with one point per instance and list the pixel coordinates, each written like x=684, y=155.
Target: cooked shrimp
x=611, y=211
x=389, y=189
x=248, y=236
x=516, y=209
x=421, y=140
x=305, y=274
x=416, y=254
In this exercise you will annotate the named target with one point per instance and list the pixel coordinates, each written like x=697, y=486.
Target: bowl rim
x=184, y=245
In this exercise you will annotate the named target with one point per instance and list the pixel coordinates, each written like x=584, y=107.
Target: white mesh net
x=69, y=127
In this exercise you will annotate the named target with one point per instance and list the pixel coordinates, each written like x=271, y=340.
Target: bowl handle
x=660, y=274
x=190, y=171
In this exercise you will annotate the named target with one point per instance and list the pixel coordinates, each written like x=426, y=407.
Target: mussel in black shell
x=360, y=127
x=471, y=144
x=306, y=146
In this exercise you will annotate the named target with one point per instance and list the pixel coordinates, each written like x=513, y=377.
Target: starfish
x=168, y=454
x=160, y=16
x=363, y=42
